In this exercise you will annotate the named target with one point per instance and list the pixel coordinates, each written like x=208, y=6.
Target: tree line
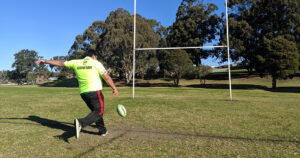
x=264, y=36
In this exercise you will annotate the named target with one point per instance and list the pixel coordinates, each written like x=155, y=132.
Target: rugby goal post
x=170, y=48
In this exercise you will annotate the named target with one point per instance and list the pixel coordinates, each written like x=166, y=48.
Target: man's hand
x=115, y=93
x=42, y=61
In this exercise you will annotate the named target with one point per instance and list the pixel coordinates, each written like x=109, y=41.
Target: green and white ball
x=121, y=110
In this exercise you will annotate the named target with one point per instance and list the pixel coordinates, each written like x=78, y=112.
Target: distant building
x=234, y=65
x=53, y=78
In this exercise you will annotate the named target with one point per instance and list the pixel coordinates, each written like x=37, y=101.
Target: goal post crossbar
x=170, y=48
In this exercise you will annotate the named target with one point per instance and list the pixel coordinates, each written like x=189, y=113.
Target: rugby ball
x=121, y=110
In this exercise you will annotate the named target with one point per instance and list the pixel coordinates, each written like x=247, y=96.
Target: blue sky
x=50, y=26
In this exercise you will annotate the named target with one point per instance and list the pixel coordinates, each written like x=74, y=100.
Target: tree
x=203, y=71
x=24, y=63
x=117, y=43
x=146, y=62
x=113, y=41
x=14, y=75
x=280, y=59
x=251, y=21
x=161, y=54
x=3, y=75
x=177, y=63
x=195, y=25
x=89, y=41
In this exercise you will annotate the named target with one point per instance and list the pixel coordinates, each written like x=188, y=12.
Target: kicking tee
x=88, y=72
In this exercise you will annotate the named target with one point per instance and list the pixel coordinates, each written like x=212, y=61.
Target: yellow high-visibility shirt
x=88, y=72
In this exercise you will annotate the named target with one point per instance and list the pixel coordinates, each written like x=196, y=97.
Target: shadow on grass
x=101, y=144
x=68, y=128
x=153, y=85
x=234, y=75
x=248, y=87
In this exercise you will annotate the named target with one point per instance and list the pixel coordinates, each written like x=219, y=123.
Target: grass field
x=161, y=122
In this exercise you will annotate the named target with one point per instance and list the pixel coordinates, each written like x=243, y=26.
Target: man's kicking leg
x=95, y=101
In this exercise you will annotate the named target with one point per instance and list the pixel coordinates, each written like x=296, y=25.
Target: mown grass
x=161, y=122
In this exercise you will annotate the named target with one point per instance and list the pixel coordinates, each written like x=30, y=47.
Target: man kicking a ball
x=89, y=72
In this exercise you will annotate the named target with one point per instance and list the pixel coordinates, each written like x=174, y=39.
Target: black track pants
x=95, y=101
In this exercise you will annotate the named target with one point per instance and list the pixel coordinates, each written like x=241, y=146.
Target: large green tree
x=24, y=64
x=196, y=24
x=280, y=59
x=118, y=42
x=113, y=41
x=251, y=21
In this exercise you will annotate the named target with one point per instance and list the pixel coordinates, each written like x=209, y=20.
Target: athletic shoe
x=103, y=133
x=77, y=128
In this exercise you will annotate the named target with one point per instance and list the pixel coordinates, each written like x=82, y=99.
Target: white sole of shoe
x=103, y=135
x=77, y=128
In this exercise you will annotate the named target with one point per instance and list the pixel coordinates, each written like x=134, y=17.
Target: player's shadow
x=68, y=128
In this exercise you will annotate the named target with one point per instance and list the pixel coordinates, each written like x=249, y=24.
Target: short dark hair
x=90, y=53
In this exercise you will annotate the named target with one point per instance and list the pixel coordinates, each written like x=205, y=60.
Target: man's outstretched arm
x=51, y=62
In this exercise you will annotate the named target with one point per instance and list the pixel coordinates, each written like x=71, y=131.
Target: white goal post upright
x=133, y=58
x=200, y=47
x=228, y=54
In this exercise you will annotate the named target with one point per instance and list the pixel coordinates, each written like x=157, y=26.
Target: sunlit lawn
x=161, y=122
